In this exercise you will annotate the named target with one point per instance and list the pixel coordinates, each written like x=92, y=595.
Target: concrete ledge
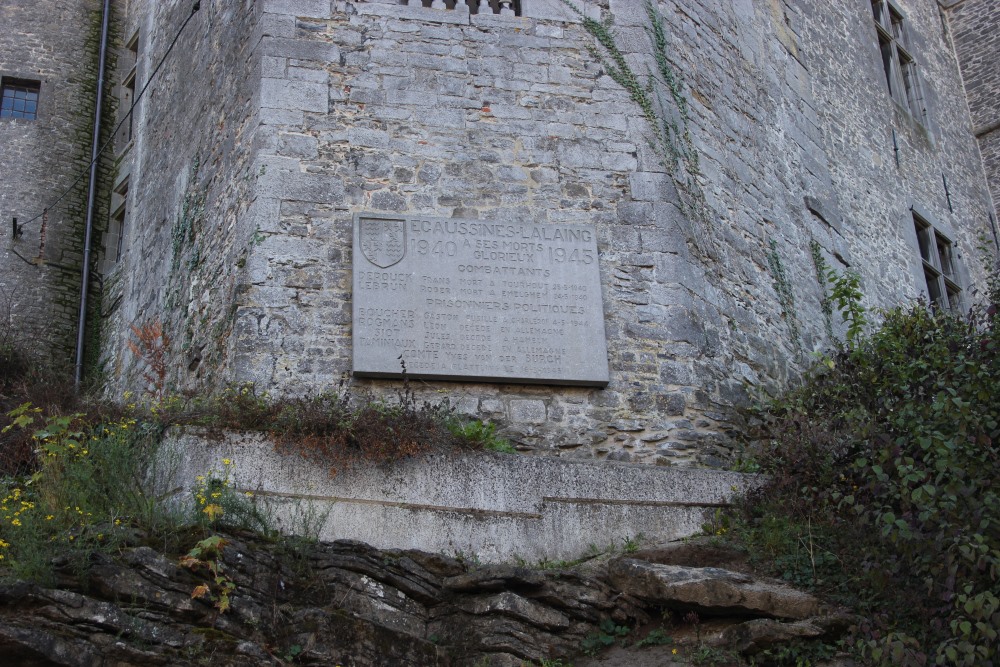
x=490, y=506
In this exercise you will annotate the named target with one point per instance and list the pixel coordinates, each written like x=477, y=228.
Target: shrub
x=87, y=492
x=889, y=454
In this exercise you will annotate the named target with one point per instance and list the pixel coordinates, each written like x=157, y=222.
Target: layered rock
x=349, y=603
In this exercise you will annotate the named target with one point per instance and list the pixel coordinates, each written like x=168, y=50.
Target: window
x=897, y=60
x=940, y=266
x=20, y=98
x=114, y=241
x=126, y=94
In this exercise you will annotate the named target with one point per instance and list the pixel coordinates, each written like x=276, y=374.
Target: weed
x=293, y=653
x=718, y=524
x=630, y=545
x=607, y=635
x=712, y=656
x=151, y=346
x=207, y=555
x=482, y=434
x=656, y=637
x=797, y=653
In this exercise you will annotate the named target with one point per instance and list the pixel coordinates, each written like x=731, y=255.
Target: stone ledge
x=495, y=507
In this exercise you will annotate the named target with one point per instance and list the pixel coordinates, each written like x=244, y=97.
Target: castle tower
x=49, y=69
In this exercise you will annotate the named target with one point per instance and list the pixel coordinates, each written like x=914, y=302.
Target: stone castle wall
x=302, y=113
x=55, y=43
x=975, y=27
x=190, y=183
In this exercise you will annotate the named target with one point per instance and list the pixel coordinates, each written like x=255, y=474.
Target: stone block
x=556, y=10
x=300, y=49
x=319, y=188
x=304, y=8
x=295, y=95
x=527, y=411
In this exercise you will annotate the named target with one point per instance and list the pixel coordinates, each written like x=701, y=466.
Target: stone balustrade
x=501, y=7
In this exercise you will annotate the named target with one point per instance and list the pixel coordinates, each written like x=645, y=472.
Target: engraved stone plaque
x=475, y=300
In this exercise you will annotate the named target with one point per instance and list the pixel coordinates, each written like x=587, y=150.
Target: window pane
x=924, y=239
x=934, y=292
x=886, y=47
x=880, y=13
x=19, y=98
x=944, y=255
x=897, y=25
x=954, y=294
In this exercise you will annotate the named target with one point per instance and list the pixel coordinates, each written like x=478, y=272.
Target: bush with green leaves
x=888, y=455
x=87, y=493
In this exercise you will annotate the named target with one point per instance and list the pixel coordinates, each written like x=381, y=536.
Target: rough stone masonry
x=791, y=134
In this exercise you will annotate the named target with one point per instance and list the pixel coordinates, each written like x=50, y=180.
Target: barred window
x=19, y=98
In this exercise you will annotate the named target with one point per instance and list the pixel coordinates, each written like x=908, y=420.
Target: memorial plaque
x=473, y=300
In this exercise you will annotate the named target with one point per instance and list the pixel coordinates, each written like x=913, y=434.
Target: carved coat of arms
x=383, y=242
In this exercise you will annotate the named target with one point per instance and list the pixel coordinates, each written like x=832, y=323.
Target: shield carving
x=383, y=242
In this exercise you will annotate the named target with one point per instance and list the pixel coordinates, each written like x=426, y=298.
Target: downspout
x=91, y=196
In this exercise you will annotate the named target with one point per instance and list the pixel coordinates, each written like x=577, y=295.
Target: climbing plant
x=783, y=288
x=659, y=95
x=822, y=270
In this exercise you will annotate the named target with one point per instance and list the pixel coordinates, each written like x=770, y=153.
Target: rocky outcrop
x=348, y=603
x=709, y=590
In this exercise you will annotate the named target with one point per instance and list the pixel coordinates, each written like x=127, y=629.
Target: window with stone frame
x=940, y=265
x=19, y=98
x=115, y=238
x=897, y=59
x=126, y=94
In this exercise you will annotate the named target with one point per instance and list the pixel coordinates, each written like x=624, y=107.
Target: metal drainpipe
x=91, y=195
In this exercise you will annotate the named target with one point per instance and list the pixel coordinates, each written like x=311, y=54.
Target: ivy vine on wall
x=660, y=96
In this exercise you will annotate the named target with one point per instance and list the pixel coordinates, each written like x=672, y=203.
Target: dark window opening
x=126, y=94
x=114, y=246
x=898, y=62
x=940, y=267
x=19, y=98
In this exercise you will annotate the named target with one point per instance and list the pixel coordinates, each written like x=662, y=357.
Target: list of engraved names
x=468, y=299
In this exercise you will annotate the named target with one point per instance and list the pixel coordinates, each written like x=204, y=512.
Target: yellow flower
x=213, y=511
x=118, y=522
x=674, y=651
x=15, y=522
x=248, y=494
x=49, y=517
x=227, y=462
